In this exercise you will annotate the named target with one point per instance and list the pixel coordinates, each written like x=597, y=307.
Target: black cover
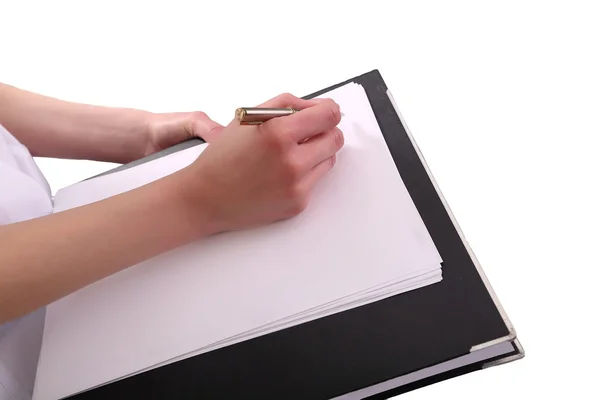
x=356, y=348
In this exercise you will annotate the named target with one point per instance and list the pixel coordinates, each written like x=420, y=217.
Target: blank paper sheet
x=236, y=285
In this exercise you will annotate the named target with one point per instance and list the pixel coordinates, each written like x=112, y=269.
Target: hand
x=254, y=175
x=168, y=129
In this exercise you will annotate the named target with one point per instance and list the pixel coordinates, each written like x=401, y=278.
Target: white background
x=502, y=97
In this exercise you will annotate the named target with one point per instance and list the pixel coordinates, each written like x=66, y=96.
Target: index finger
x=308, y=122
x=288, y=100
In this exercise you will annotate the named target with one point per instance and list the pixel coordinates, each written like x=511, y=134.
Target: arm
x=56, y=128
x=50, y=127
x=251, y=175
x=46, y=258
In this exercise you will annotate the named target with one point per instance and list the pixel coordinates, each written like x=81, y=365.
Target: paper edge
x=511, y=329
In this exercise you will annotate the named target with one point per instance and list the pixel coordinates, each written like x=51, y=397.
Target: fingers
x=317, y=173
x=288, y=100
x=319, y=148
x=308, y=122
x=204, y=127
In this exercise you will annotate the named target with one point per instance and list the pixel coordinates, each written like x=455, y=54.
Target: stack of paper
x=360, y=240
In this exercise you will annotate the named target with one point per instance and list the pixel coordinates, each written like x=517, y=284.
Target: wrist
x=110, y=134
x=130, y=134
x=189, y=199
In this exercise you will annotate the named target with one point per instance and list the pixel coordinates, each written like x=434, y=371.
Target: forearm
x=50, y=127
x=47, y=258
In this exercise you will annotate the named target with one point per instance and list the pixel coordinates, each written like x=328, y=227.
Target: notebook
x=360, y=240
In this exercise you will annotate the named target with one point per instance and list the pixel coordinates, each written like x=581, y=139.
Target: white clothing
x=24, y=194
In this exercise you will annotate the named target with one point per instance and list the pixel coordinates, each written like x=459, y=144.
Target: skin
x=62, y=129
x=248, y=176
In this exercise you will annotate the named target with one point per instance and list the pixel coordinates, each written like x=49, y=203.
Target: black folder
x=375, y=351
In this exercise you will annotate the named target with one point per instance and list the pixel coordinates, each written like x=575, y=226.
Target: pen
x=254, y=115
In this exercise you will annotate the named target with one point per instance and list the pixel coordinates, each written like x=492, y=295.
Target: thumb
x=204, y=127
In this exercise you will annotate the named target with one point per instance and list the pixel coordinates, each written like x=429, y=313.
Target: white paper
x=237, y=285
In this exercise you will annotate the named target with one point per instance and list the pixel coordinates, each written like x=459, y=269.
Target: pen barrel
x=259, y=115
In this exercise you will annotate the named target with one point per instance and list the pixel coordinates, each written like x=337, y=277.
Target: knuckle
x=333, y=113
x=294, y=192
x=332, y=160
x=275, y=126
x=292, y=173
x=298, y=201
x=282, y=128
x=286, y=131
x=338, y=139
x=199, y=115
x=286, y=98
x=333, y=116
x=271, y=136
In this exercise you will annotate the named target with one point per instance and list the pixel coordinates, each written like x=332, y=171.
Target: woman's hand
x=247, y=176
x=63, y=129
x=168, y=129
x=253, y=175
